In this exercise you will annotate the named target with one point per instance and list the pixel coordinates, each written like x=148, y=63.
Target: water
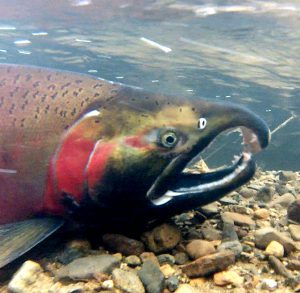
x=245, y=52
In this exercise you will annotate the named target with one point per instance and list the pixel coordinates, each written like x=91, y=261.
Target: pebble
x=209, y=233
x=238, y=219
x=152, y=277
x=209, y=264
x=275, y=248
x=261, y=214
x=246, y=192
x=282, y=201
x=265, y=194
x=235, y=246
x=30, y=278
x=293, y=211
x=295, y=231
x=167, y=270
x=162, y=238
x=269, y=284
x=86, y=267
x=278, y=267
x=228, y=278
x=166, y=258
x=198, y=248
x=264, y=236
x=149, y=256
x=133, y=260
x=181, y=258
x=186, y=288
x=123, y=244
x=294, y=265
x=287, y=176
x=172, y=283
x=127, y=281
x=210, y=210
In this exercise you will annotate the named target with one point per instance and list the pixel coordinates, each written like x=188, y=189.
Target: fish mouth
x=188, y=190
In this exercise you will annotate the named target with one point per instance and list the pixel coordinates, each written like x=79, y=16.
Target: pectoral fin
x=18, y=238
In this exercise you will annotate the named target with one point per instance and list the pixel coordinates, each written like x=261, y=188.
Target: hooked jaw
x=186, y=191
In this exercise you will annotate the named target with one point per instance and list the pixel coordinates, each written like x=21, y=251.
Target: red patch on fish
x=97, y=163
x=67, y=172
x=136, y=142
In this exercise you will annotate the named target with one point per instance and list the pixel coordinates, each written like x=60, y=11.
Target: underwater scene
x=149, y=146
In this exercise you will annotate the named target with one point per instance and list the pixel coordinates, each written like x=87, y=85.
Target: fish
x=75, y=147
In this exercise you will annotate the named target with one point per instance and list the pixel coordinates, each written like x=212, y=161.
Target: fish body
x=72, y=145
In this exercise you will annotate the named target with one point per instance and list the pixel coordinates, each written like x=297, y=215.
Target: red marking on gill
x=67, y=172
x=136, y=142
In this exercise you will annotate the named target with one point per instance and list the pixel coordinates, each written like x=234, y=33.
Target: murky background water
x=241, y=51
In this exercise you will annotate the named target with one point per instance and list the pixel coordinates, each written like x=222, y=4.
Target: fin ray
x=18, y=238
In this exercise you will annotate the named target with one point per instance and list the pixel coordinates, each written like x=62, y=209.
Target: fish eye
x=168, y=139
x=202, y=123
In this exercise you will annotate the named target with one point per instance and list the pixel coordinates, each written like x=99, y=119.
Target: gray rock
x=227, y=200
x=287, y=176
x=210, y=210
x=172, y=283
x=295, y=231
x=293, y=211
x=166, y=258
x=181, y=258
x=278, y=267
x=265, y=194
x=162, y=238
x=265, y=235
x=123, y=244
x=126, y=281
x=246, y=192
x=86, y=267
x=209, y=233
x=152, y=277
x=235, y=246
x=229, y=233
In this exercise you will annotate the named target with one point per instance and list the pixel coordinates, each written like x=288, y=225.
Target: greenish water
x=245, y=52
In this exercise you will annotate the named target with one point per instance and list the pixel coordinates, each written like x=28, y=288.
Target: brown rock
x=209, y=264
x=275, y=248
x=238, y=219
x=261, y=214
x=149, y=256
x=162, y=238
x=293, y=211
x=123, y=244
x=247, y=192
x=228, y=278
x=265, y=235
x=278, y=267
x=186, y=288
x=287, y=176
x=295, y=231
x=282, y=201
x=198, y=248
x=294, y=265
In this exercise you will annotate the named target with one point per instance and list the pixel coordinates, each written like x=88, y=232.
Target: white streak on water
x=156, y=45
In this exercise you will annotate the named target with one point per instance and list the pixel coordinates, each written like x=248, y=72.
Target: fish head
x=151, y=140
